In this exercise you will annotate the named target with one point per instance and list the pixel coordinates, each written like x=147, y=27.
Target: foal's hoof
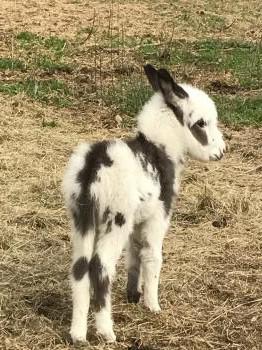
x=154, y=307
x=133, y=297
x=108, y=335
x=77, y=338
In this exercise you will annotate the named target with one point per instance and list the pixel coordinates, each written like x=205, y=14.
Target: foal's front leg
x=151, y=257
x=80, y=282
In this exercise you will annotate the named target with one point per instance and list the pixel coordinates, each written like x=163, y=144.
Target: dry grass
x=211, y=280
x=210, y=293
x=238, y=19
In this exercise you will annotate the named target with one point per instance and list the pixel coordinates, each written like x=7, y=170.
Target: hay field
x=70, y=70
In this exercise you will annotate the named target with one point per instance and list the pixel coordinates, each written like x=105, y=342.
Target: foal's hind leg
x=80, y=282
x=102, y=269
x=133, y=261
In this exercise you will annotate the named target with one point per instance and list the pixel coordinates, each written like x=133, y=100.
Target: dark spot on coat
x=160, y=162
x=177, y=111
x=143, y=162
x=120, y=219
x=109, y=226
x=100, y=282
x=145, y=243
x=85, y=213
x=106, y=214
x=199, y=134
x=80, y=268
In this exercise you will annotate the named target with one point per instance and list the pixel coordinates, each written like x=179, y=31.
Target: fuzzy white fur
x=157, y=121
x=122, y=185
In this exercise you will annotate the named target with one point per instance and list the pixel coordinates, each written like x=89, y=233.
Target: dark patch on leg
x=133, y=295
x=100, y=284
x=85, y=213
x=80, y=268
x=161, y=164
x=135, y=246
x=120, y=219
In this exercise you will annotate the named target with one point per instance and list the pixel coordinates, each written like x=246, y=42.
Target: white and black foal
x=119, y=195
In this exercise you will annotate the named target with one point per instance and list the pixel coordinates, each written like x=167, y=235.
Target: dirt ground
x=211, y=281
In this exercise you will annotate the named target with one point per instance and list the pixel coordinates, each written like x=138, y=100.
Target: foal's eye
x=201, y=123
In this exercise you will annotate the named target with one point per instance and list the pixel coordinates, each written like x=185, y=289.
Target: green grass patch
x=46, y=53
x=242, y=59
x=128, y=98
x=28, y=38
x=155, y=52
x=54, y=44
x=49, y=124
x=149, y=49
x=12, y=64
x=240, y=110
x=52, y=66
x=213, y=21
x=114, y=39
x=48, y=91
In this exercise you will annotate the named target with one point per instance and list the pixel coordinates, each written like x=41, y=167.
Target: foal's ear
x=168, y=86
x=152, y=76
x=161, y=80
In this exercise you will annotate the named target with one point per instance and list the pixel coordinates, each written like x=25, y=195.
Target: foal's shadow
x=52, y=305
x=55, y=307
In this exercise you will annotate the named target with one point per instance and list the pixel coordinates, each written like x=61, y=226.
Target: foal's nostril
x=221, y=155
x=218, y=157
